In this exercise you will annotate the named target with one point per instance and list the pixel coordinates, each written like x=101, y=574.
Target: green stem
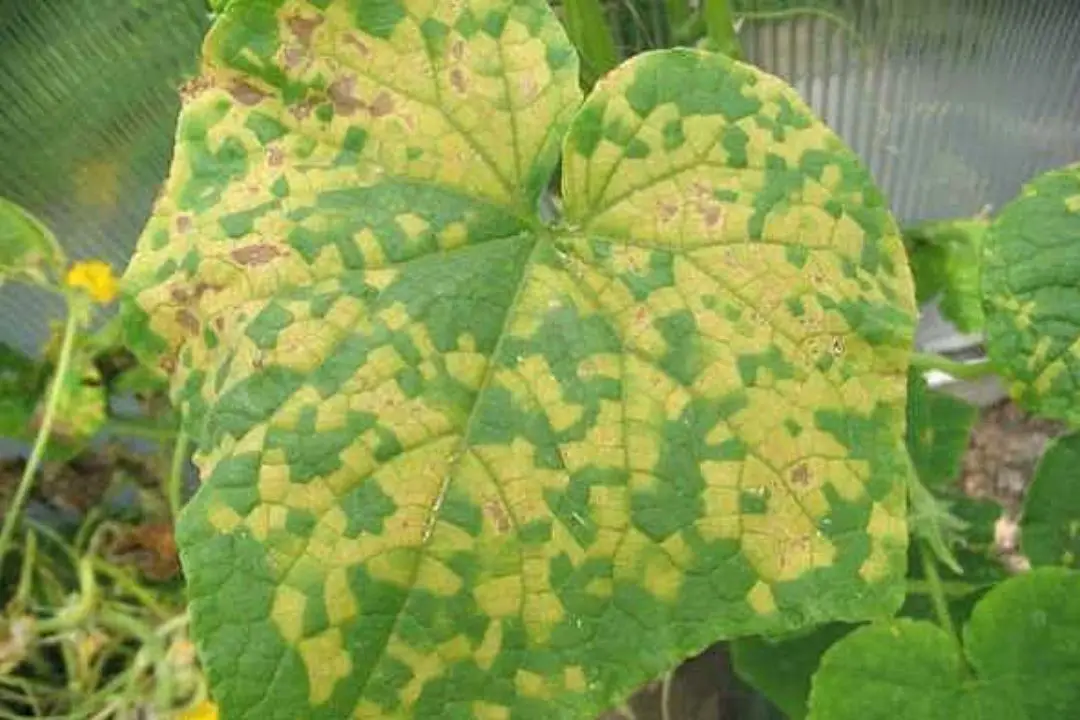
x=125, y=583
x=959, y=370
x=72, y=617
x=37, y=454
x=26, y=574
x=139, y=429
x=720, y=28
x=665, y=695
x=176, y=475
x=937, y=594
x=951, y=588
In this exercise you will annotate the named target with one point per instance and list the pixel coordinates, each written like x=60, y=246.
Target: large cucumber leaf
x=1018, y=660
x=1031, y=294
x=459, y=463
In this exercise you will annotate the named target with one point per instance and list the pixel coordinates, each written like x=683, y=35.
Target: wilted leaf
x=459, y=463
x=151, y=547
x=28, y=250
x=1020, y=661
x=1031, y=284
x=946, y=259
x=1050, y=525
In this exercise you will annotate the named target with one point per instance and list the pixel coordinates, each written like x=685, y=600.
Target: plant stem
x=136, y=428
x=937, y=594
x=176, y=475
x=665, y=695
x=37, y=454
x=951, y=588
x=959, y=370
x=720, y=27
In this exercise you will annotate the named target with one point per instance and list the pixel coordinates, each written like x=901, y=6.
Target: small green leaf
x=938, y=431
x=1050, y=526
x=1031, y=286
x=930, y=520
x=28, y=250
x=460, y=463
x=1020, y=660
x=782, y=668
x=946, y=259
x=589, y=30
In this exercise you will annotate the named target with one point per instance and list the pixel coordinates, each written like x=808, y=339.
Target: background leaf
x=1020, y=661
x=458, y=463
x=1031, y=286
x=28, y=250
x=1050, y=525
x=946, y=260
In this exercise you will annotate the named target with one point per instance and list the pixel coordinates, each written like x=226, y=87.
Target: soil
x=1002, y=455
x=1005, y=448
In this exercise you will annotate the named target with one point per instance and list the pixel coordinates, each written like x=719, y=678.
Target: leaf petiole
x=37, y=454
x=937, y=594
x=959, y=370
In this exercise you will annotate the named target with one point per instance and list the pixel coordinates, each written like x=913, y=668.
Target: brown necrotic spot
x=352, y=39
x=183, y=223
x=457, y=49
x=800, y=476
x=837, y=346
x=301, y=110
x=304, y=28
x=245, y=93
x=382, y=105
x=258, y=254
x=457, y=80
x=187, y=320
x=193, y=88
x=292, y=57
x=497, y=513
x=275, y=156
x=341, y=95
x=712, y=215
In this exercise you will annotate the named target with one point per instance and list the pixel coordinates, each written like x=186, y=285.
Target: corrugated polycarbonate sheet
x=88, y=104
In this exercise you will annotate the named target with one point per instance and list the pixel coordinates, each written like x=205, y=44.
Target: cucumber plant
x=463, y=459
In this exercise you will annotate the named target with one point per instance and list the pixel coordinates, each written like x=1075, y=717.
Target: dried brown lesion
x=342, y=95
x=255, y=255
x=245, y=93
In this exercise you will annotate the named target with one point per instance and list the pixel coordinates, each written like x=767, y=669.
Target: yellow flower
x=96, y=278
x=205, y=710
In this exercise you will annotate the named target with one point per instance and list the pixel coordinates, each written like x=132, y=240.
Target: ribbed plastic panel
x=953, y=103
x=88, y=105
